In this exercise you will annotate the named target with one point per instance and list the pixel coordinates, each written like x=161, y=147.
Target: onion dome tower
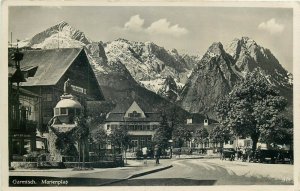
x=62, y=126
x=65, y=111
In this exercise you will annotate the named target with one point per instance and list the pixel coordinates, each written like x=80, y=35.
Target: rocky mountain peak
x=62, y=23
x=248, y=56
x=60, y=35
x=216, y=49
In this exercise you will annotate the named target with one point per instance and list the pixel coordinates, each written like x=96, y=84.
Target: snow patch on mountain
x=62, y=35
x=157, y=84
x=59, y=40
x=150, y=64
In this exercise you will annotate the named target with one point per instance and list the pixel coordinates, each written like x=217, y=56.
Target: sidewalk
x=195, y=156
x=97, y=176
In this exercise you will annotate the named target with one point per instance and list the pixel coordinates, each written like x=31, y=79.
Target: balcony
x=24, y=126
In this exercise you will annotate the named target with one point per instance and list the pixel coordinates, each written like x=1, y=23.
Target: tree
x=251, y=108
x=100, y=138
x=181, y=135
x=65, y=142
x=163, y=133
x=120, y=138
x=278, y=132
x=219, y=134
x=201, y=136
x=81, y=133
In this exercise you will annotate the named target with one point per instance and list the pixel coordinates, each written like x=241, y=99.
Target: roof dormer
x=135, y=111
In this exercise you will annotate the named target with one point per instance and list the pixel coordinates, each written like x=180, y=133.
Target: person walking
x=145, y=152
x=157, y=153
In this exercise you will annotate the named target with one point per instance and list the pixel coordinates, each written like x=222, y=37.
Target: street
x=215, y=172
x=183, y=172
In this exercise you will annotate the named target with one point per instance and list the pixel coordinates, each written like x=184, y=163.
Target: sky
x=188, y=29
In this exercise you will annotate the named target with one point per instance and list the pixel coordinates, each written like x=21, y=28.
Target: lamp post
x=171, y=147
x=16, y=77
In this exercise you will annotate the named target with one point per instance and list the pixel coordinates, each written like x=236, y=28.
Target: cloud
x=159, y=27
x=271, y=26
x=162, y=26
x=135, y=23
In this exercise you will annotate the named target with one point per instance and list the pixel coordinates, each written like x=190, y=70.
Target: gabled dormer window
x=29, y=71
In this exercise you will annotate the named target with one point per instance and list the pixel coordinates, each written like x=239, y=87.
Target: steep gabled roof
x=125, y=105
x=118, y=113
x=51, y=64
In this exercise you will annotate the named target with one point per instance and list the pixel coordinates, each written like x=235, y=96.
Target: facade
x=194, y=126
x=46, y=71
x=36, y=82
x=208, y=145
x=139, y=121
x=24, y=119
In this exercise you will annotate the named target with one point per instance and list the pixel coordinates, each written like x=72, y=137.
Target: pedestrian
x=221, y=154
x=157, y=153
x=145, y=152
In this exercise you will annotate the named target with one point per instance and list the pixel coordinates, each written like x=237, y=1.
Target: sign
x=78, y=89
x=22, y=135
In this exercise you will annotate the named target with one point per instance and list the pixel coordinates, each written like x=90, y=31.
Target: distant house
x=47, y=70
x=139, y=120
x=208, y=146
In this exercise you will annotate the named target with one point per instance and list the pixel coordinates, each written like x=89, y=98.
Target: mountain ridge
x=143, y=66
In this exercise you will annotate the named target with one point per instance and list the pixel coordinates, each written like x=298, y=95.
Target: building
x=207, y=145
x=139, y=120
x=24, y=119
x=63, y=128
x=46, y=71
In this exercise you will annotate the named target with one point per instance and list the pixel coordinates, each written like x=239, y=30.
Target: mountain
x=61, y=35
x=169, y=89
x=247, y=55
x=150, y=64
x=223, y=67
x=150, y=72
x=213, y=78
x=113, y=70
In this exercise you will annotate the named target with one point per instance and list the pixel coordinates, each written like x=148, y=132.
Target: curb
x=149, y=172
x=137, y=175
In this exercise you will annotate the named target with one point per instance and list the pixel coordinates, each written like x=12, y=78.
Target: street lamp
x=171, y=147
x=16, y=77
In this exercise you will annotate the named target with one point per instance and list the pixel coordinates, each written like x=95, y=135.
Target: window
x=134, y=114
x=114, y=127
x=143, y=141
x=47, y=97
x=63, y=111
x=206, y=144
x=134, y=143
x=154, y=127
x=56, y=111
x=149, y=140
x=108, y=127
x=129, y=127
x=139, y=127
x=29, y=71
